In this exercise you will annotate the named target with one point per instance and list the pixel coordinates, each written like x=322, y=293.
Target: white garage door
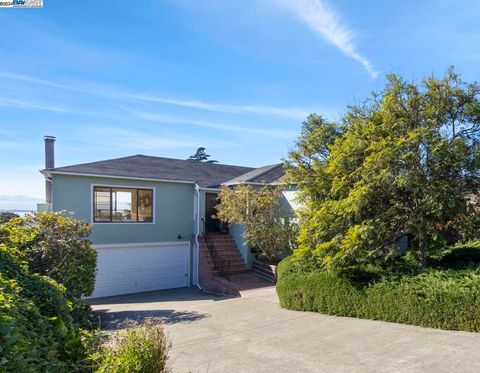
x=135, y=268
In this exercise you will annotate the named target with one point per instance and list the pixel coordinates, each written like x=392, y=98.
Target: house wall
x=202, y=210
x=236, y=230
x=173, y=209
x=288, y=200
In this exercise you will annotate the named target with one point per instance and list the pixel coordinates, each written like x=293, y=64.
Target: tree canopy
x=268, y=226
x=406, y=163
x=201, y=156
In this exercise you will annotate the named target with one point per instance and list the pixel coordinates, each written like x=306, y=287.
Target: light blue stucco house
x=148, y=214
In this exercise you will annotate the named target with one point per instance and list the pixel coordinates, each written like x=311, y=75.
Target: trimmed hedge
x=436, y=297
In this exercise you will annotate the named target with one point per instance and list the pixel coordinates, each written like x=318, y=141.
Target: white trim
x=197, y=244
x=141, y=244
x=153, y=189
x=246, y=183
x=254, y=183
x=49, y=173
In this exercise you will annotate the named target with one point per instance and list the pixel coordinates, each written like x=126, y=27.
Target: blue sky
x=115, y=78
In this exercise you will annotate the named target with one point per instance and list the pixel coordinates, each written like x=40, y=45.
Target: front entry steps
x=236, y=277
x=228, y=252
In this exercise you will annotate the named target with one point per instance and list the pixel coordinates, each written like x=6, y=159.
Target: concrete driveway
x=253, y=334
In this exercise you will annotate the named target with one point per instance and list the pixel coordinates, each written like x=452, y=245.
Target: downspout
x=197, y=244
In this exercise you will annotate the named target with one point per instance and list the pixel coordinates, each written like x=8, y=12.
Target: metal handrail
x=220, y=264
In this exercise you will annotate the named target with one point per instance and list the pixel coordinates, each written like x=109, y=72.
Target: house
x=149, y=215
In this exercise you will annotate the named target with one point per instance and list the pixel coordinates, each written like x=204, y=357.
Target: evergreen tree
x=406, y=163
x=201, y=156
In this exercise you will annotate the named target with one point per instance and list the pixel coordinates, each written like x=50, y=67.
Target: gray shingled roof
x=266, y=174
x=206, y=175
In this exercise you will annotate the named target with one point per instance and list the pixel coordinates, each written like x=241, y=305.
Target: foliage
x=438, y=298
x=7, y=216
x=406, y=163
x=141, y=348
x=268, y=226
x=37, y=332
x=56, y=246
x=459, y=256
x=201, y=156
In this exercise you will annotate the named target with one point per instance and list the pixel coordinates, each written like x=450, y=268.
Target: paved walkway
x=253, y=334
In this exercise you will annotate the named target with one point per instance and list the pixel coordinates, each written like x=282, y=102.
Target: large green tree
x=404, y=164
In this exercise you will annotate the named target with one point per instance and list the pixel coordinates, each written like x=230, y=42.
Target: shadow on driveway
x=117, y=312
x=118, y=320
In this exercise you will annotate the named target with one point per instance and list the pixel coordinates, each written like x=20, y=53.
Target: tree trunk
x=422, y=247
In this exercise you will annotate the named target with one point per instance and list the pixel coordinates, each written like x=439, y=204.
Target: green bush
x=36, y=328
x=139, y=348
x=56, y=246
x=459, y=256
x=438, y=298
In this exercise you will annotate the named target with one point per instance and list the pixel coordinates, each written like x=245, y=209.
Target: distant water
x=20, y=213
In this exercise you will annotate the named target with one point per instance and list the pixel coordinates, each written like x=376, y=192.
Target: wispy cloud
x=31, y=79
x=162, y=118
x=121, y=139
x=288, y=112
x=322, y=19
x=23, y=104
x=121, y=94
x=115, y=138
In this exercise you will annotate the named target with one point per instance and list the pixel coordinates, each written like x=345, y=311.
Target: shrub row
x=437, y=297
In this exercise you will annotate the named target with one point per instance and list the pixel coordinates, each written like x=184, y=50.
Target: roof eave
x=49, y=173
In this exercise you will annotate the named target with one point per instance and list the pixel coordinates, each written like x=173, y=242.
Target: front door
x=213, y=225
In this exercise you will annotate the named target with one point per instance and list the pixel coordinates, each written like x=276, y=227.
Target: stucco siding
x=173, y=209
x=236, y=231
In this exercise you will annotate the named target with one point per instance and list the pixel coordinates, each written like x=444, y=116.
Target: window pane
x=124, y=206
x=101, y=203
x=145, y=205
x=111, y=204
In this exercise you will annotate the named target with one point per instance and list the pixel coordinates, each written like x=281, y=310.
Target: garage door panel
x=124, y=270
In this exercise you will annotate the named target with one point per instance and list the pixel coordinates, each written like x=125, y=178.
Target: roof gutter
x=49, y=173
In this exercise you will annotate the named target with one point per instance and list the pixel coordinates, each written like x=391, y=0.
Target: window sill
x=122, y=223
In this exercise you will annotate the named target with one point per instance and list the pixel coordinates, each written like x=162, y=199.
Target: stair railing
x=220, y=264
